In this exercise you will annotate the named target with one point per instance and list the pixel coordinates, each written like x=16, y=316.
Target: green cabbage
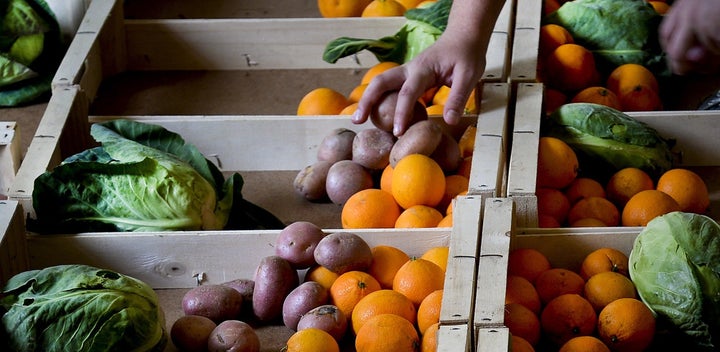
x=616, y=31
x=80, y=308
x=423, y=27
x=142, y=178
x=675, y=265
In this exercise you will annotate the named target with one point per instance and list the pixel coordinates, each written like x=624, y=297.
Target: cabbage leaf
x=80, y=308
x=675, y=265
x=142, y=178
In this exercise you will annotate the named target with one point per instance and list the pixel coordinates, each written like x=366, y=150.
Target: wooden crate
x=10, y=155
x=694, y=133
x=564, y=247
x=222, y=65
x=171, y=262
x=678, y=93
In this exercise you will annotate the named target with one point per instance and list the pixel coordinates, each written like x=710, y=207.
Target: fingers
x=389, y=80
x=458, y=97
x=408, y=96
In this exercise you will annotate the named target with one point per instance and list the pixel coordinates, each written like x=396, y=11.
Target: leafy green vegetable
x=31, y=49
x=80, y=308
x=422, y=28
x=616, y=31
x=142, y=178
x=675, y=265
x=608, y=139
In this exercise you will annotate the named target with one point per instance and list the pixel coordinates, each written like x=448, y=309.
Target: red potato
x=216, y=302
x=447, y=153
x=274, y=279
x=341, y=252
x=371, y=148
x=336, y=146
x=296, y=243
x=421, y=138
x=310, y=181
x=190, y=333
x=383, y=114
x=245, y=287
x=346, y=178
x=233, y=336
x=327, y=318
x=302, y=299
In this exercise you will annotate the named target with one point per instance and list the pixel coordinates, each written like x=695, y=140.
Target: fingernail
x=452, y=117
x=356, y=115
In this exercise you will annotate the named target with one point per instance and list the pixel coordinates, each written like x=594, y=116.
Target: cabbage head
x=675, y=265
x=80, y=308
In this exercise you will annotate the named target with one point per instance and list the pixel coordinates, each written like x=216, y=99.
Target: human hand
x=690, y=35
x=452, y=60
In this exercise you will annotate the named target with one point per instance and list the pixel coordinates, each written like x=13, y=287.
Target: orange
x=321, y=275
x=567, y=316
x=588, y=222
x=437, y=255
x=387, y=332
x=624, y=183
x=597, y=95
x=427, y=97
x=349, y=110
x=522, y=322
x=418, y=180
x=584, y=344
x=571, y=67
x=519, y=344
x=410, y=4
x=385, y=263
x=418, y=278
x=553, y=202
x=418, y=216
x=357, y=92
x=521, y=290
x=322, y=101
x=341, y=8
x=551, y=37
x=383, y=8
x=647, y=205
x=466, y=143
x=557, y=163
x=349, y=288
x=370, y=208
x=583, y=187
x=382, y=302
x=447, y=221
x=428, y=312
x=595, y=207
x=660, y=7
x=627, y=76
x=687, y=188
x=602, y=260
x=558, y=281
x=386, y=179
x=454, y=185
x=465, y=166
x=311, y=339
x=528, y=263
x=441, y=96
x=605, y=287
x=428, y=343
x=553, y=99
x=435, y=109
x=640, y=98
x=547, y=221
x=626, y=324
x=550, y=6
x=377, y=69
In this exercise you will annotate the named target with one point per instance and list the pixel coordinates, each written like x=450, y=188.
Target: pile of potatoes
x=349, y=161
x=217, y=315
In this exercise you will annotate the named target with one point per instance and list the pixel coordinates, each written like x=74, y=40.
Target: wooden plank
x=525, y=138
x=489, y=165
x=454, y=338
x=495, y=339
x=13, y=248
x=462, y=261
x=492, y=262
x=500, y=45
x=181, y=9
x=10, y=155
x=526, y=41
x=248, y=44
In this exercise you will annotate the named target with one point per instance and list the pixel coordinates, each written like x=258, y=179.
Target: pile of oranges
x=630, y=197
x=570, y=73
x=367, y=8
x=394, y=305
x=593, y=309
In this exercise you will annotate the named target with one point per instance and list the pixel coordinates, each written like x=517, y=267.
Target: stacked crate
x=260, y=68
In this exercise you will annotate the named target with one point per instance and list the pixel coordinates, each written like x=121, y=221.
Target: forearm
x=474, y=20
